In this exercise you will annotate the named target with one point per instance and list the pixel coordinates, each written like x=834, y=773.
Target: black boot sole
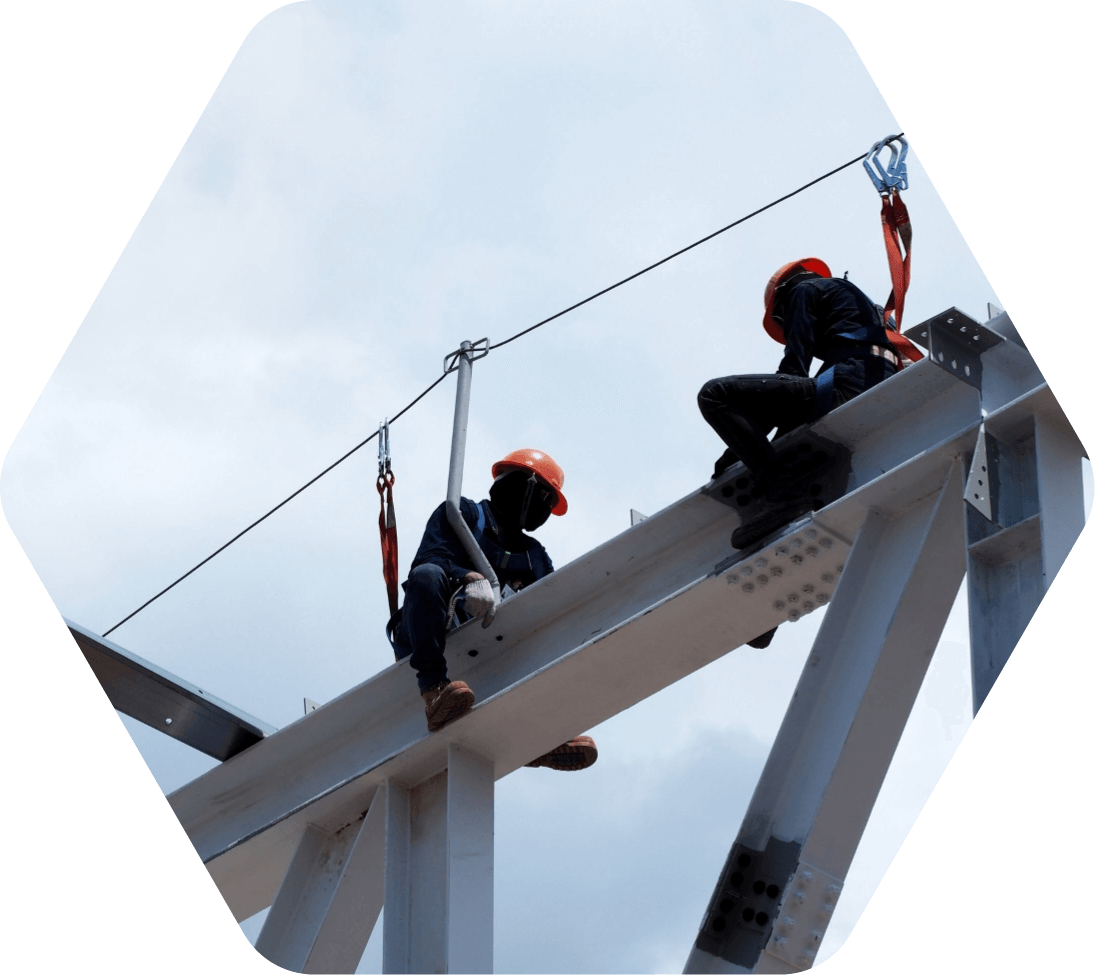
x=769, y=521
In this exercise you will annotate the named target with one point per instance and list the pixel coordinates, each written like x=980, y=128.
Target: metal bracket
x=741, y=915
x=830, y=463
x=983, y=484
x=956, y=342
x=475, y=350
x=894, y=175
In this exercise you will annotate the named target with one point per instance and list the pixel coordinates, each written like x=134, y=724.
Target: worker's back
x=825, y=318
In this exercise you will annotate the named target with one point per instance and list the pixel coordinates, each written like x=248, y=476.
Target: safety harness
x=496, y=555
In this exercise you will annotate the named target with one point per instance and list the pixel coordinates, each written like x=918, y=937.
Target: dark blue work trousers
x=743, y=410
x=422, y=629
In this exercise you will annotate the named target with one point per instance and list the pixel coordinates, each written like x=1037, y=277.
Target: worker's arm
x=441, y=547
x=800, y=320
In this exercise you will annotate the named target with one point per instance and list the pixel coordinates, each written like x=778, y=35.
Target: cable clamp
x=470, y=350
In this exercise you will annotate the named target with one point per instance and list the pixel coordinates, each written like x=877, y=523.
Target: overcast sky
x=370, y=185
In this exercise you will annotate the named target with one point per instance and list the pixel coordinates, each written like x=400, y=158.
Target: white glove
x=478, y=598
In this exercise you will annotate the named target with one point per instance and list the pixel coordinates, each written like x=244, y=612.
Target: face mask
x=537, y=504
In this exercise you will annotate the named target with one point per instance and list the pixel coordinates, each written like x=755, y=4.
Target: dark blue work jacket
x=832, y=320
x=518, y=561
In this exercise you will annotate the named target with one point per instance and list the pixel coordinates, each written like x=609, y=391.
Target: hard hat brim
x=505, y=466
x=813, y=264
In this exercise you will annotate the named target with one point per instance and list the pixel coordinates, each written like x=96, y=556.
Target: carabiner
x=894, y=175
x=384, y=450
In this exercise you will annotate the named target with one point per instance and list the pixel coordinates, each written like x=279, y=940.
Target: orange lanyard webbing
x=897, y=232
x=389, y=539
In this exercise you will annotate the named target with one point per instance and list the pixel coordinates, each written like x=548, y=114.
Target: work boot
x=446, y=701
x=575, y=755
x=771, y=519
x=725, y=462
x=760, y=642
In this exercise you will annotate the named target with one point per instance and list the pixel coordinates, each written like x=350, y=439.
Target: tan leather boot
x=446, y=701
x=573, y=756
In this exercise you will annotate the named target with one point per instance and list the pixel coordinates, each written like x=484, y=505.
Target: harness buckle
x=894, y=175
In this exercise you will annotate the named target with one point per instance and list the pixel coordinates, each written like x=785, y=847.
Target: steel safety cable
x=280, y=504
x=683, y=250
x=512, y=338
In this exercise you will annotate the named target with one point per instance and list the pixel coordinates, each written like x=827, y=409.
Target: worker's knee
x=426, y=575
x=712, y=393
x=427, y=578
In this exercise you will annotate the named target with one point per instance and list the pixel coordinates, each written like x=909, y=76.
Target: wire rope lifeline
x=448, y=366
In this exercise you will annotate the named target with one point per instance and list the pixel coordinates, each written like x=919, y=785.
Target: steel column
x=784, y=874
x=330, y=898
x=470, y=862
x=1057, y=454
x=440, y=870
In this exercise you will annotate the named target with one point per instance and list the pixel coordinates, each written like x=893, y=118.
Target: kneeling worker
x=527, y=489
x=814, y=316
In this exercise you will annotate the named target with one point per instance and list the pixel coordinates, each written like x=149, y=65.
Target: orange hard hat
x=539, y=463
x=814, y=264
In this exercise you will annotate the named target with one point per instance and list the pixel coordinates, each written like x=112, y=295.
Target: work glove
x=479, y=599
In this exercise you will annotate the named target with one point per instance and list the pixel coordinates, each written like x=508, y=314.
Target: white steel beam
x=277, y=817
x=550, y=667
x=329, y=899
x=785, y=871
x=165, y=702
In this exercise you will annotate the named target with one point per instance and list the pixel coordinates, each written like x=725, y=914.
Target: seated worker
x=814, y=316
x=527, y=489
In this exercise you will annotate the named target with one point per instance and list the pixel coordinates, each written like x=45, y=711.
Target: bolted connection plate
x=807, y=908
x=741, y=915
x=956, y=342
x=793, y=575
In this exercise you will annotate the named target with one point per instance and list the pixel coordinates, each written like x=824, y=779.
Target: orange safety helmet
x=815, y=264
x=540, y=464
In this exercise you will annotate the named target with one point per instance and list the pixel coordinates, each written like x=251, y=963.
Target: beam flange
x=167, y=703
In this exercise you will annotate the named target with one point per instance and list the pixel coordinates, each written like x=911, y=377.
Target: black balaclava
x=521, y=501
x=783, y=292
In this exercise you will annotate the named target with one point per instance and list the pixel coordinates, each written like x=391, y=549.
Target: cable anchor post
x=894, y=174
x=461, y=361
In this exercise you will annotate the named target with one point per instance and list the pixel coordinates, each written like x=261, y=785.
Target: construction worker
x=814, y=316
x=442, y=590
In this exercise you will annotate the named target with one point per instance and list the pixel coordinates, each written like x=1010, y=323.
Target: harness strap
x=825, y=378
x=501, y=558
x=825, y=390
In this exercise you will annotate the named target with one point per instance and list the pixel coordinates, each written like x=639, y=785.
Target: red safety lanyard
x=389, y=539
x=897, y=233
